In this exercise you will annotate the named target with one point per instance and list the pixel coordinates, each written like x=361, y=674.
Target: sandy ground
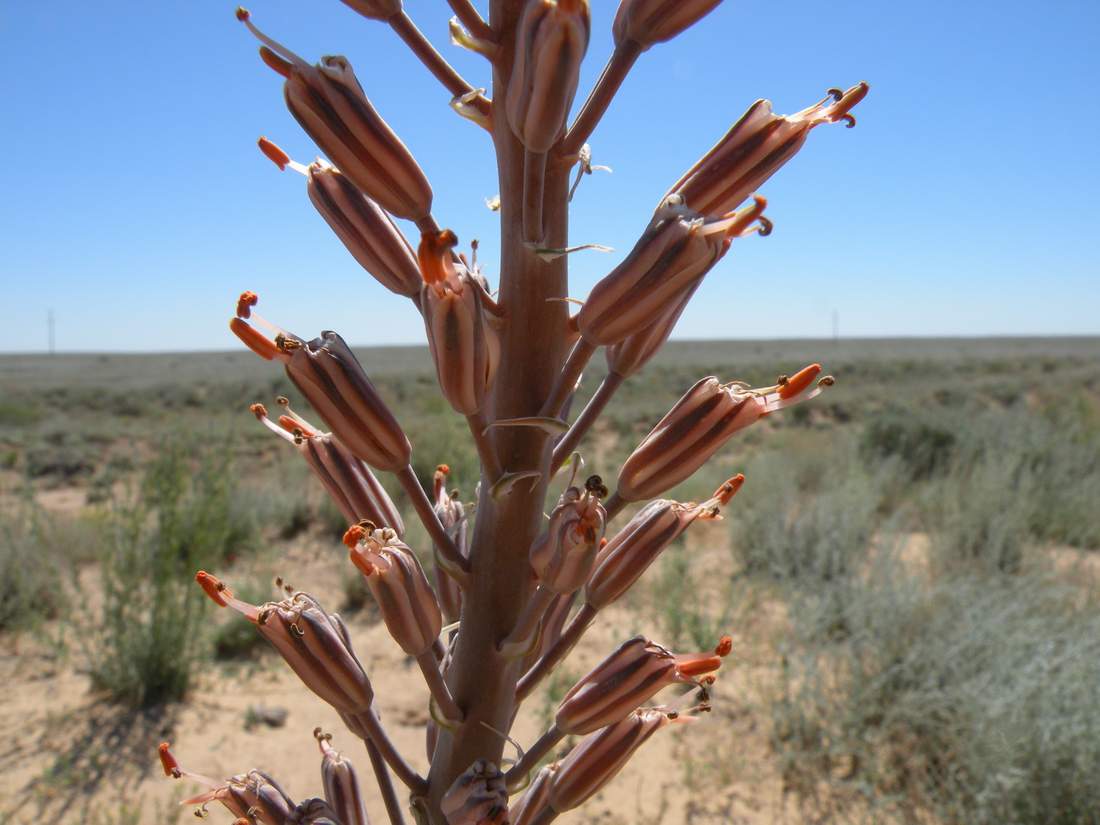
x=67, y=757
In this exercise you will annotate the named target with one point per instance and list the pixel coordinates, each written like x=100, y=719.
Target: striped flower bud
x=633, y=352
x=634, y=548
x=255, y=795
x=328, y=102
x=478, y=797
x=452, y=515
x=646, y=22
x=309, y=640
x=700, y=424
x=563, y=556
x=551, y=39
x=535, y=798
x=314, y=811
x=351, y=485
x=376, y=9
x=630, y=677
x=755, y=148
x=464, y=346
x=341, y=784
x=397, y=582
x=676, y=250
x=600, y=756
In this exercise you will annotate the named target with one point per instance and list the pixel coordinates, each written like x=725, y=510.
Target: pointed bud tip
x=273, y=153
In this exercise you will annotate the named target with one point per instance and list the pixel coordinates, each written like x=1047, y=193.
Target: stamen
x=729, y=489
x=245, y=17
x=214, y=588
x=364, y=565
x=353, y=535
x=255, y=341
x=168, y=762
x=273, y=152
x=799, y=382
x=432, y=254
x=739, y=223
x=724, y=646
x=247, y=300
x=306, y=426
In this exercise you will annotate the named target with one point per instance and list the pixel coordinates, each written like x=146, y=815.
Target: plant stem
x=456, y=566
x=385, y=784
x=592, y=410
x=568, y=377
x=531, y=757
x=377, y=736
x=557, y=652
x=467, y=15
x=490, y=463
x=429, y=666
x=519, y=639
x=614, y=73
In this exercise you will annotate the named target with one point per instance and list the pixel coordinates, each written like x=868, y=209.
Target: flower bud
x=315, y=811
x=376, y=9
x=452, y=515
x=634, y=548
x=309, y=640
x=629, y=677
x=535, y=798
x=478, y=797
x=600, y=756
x=697, y=427
x=369, y=234
x=646, y=22
x=674, y=253
x=755, y=148
x=341, y=784
x=464, y=346
x=551, y=39
x=397, y=582
x=633, y=352
x=563, y=556
x=328, y=102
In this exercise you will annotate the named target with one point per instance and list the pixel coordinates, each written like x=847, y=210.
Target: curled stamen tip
x=242, y=13
x=849, y=120
x=724, y=646
x=168, y=762
x=799, y=382
x=258, y=410
x=765, y=226
x=214, y=588
x=273, y=153
x=353, y=535
x=245, y=302
x=282, y=401
x=826, y=381
x=835, y=93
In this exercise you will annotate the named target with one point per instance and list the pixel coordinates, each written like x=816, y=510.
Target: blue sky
x=964, y=203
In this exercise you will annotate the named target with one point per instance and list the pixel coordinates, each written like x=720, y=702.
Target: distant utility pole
x=49, y=328
x=836, y=327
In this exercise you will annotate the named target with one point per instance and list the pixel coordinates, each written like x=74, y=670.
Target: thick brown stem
x=603, y=93
x=556, y=653
x=585, y=420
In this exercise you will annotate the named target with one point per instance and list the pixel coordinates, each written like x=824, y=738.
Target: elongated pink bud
x=676, y=250
x=646, y=22
x=341, y=784
x=535, y=798
x=629, y=677
x=478, y=797
x=313, y=811
x=755, y=148
x=633, y=352
x=551, y=39
x=694, y=429
x=452, y=515
x=397, y=582
x=365, y=229
x=563, y=556
x=328, y=102
x=375, y=9
x=464, y=345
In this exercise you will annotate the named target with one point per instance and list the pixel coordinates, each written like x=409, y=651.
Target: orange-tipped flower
x=478, y=797
x=676, y=250
x=376, y=9
x=646, y=22
x=551, y=39
x=341, y=784
x=328, y=102
x=452, y=515
x=694, y=430
x=464, y=344
x=755, y=148
x=563, y=556
x=397, y=582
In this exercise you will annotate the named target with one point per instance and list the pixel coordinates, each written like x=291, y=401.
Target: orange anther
x=724, y=646
x=242, y=13
x=168, y=762
x=292, y=426
x=729, y=488
x=361, y=561
x=258, y=410
x=743, y=219
x=275, y=62
x=273, y=153
x=800, y=381
x=432, y=252
x=443, y=468
x=698, y=665
x=245, y=303
x=255, y=341
x=353, y=535
x=214, y=588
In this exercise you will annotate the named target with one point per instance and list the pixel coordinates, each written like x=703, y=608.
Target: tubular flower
x=314, y=811
x=376, y=9
x=700, y=423
x=331, y=378
x=398, y=585
x=309, y=640
x=464, y=344
x=452, y=515
x=563, y=556
x=634, y=548
x=600, y=756
x=756, y=147
x=535, y=798
x=341, y=784
x=254, y=796
x=478, y=797
x=328, y=102
x=551, y=39
x=677, y=249
x=633, y=352
x=354, y=489
x=646, y=22
x=627, y=678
